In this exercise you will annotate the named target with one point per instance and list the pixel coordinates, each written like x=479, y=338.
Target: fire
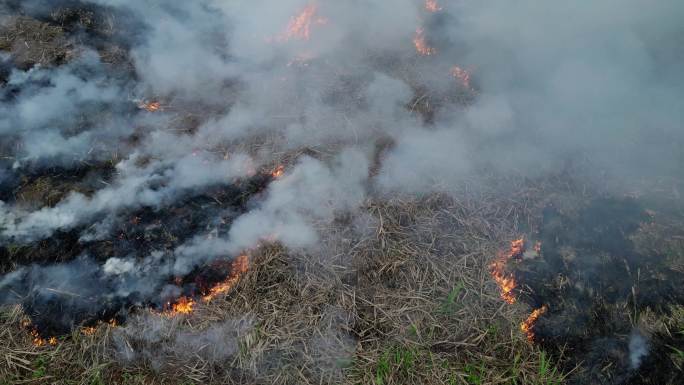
x=185, y=305
x=300, y=26
x=461, y=75
x=505, y=280
x=278, y=172
x=432, y=6
x=517, y=248
x=150, y=106
x=35, y=335
x=421, y=44
x=527, y=325
x=239, y=267
x=91, y=330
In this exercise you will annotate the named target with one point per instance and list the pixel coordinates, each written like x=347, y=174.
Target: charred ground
x=606, y=292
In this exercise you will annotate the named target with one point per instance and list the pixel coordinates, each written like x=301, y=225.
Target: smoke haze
x=343, y=101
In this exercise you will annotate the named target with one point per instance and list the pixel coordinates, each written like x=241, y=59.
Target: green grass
x=677, y=357
x=548, y=373
x=449, y=304
x=395, y=361
x=474, y=374
x=515, y=370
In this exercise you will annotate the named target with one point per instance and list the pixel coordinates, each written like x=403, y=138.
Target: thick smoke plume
x=339, y=97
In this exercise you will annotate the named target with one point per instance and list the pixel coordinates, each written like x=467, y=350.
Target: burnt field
x=313, y=192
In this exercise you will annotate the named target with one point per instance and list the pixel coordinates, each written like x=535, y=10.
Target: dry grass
x=33, y=42
x=400, y=296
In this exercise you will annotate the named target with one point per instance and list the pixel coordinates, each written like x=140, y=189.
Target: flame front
x=421, y=44
x=186, y=305
x=506, y=281
x=238, y=269
x=527, y=325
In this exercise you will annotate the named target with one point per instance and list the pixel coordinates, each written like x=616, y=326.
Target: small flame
x=421, y=44
x=432, y=6
x=35, y=335
x=506, y=281
x=299, y=27
x=278, y=171
x=91, y=330
x=150, y=106
x=185, y=305
x=239, y=267
x=527, y=325
x=461, y=75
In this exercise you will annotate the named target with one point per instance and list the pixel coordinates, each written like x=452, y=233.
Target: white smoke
x=638, y=349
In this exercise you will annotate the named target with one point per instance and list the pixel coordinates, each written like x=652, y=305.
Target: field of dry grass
x=400, y=293
x=404, y=297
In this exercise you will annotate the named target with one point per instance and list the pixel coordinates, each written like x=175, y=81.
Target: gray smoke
x=158, y=341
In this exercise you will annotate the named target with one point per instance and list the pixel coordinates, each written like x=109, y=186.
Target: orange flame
x=300, y=26
x=421, y=44
x=35, y=335
x=462, y=75
x=432, y=6
x=278, y=171
x=527, y=325
x=150, y=106
x=185, y=305
x=239, y=267
x=506, y=281
x=91, y=330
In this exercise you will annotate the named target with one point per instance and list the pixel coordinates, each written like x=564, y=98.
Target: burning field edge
x=410, y=302
x=414, y=300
